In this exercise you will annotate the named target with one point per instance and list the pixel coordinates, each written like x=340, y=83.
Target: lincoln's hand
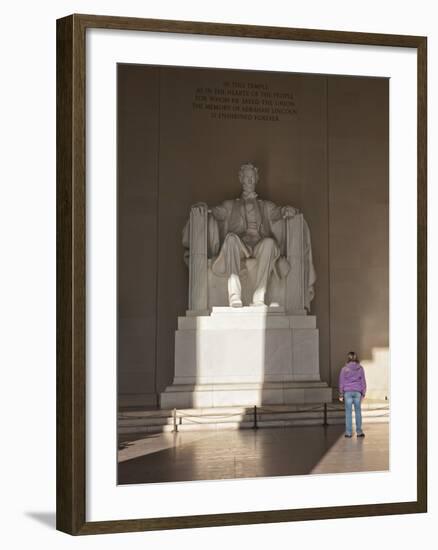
x=289, y=211
x=200, y=207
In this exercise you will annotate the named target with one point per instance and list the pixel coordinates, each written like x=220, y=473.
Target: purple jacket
x=352, y=378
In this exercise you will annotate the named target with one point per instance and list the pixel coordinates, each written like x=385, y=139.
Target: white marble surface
x=245, y=356
x=248, y=317
x=221, y=395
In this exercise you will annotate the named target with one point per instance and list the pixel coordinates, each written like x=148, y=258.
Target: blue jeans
x=352, y=398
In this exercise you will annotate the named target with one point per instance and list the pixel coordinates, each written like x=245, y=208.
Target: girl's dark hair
x=352, y=357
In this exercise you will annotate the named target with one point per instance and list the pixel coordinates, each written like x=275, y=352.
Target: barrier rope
x=274, y=411
x=192, y=421
x=253, y=414
x=249, y=411
x=363, y=409
x=183, y=415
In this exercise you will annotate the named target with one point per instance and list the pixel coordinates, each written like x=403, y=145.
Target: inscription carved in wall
x=239, y=100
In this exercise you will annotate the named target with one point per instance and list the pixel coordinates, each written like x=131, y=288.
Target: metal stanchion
x=255, y=417
x=175, y=425
x=325, y=415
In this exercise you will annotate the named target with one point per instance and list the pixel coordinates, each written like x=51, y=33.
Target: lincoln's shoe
x=235, y=302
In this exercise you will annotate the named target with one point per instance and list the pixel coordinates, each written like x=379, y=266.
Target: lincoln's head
x=248, y=177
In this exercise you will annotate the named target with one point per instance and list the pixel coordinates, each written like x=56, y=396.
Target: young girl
x=352, y=389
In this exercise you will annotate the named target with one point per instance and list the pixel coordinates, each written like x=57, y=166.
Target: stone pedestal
x=246, y=356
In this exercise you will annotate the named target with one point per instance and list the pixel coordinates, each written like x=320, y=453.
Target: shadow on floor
x=229, y=454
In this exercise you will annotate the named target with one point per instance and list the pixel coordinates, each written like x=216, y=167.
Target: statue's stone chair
x=293, y=291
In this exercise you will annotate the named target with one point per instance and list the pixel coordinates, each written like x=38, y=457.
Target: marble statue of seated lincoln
x=249, y=228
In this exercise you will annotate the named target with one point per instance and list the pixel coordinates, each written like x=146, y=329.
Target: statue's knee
x=266, y=245
x=231, y=244
x=268, y=242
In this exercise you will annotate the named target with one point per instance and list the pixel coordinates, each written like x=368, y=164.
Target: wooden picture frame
x=71, y=272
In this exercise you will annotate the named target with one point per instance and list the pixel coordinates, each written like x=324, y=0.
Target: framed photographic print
x=241, y=288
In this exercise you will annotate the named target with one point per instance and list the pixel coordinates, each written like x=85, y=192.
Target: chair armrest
x=198, y=259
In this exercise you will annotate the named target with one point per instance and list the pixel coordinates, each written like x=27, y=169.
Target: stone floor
x=186, y=456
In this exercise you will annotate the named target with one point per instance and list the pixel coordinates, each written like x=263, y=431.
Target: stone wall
x=321, y=144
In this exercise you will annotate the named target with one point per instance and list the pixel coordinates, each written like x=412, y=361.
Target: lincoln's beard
x=249, y=194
